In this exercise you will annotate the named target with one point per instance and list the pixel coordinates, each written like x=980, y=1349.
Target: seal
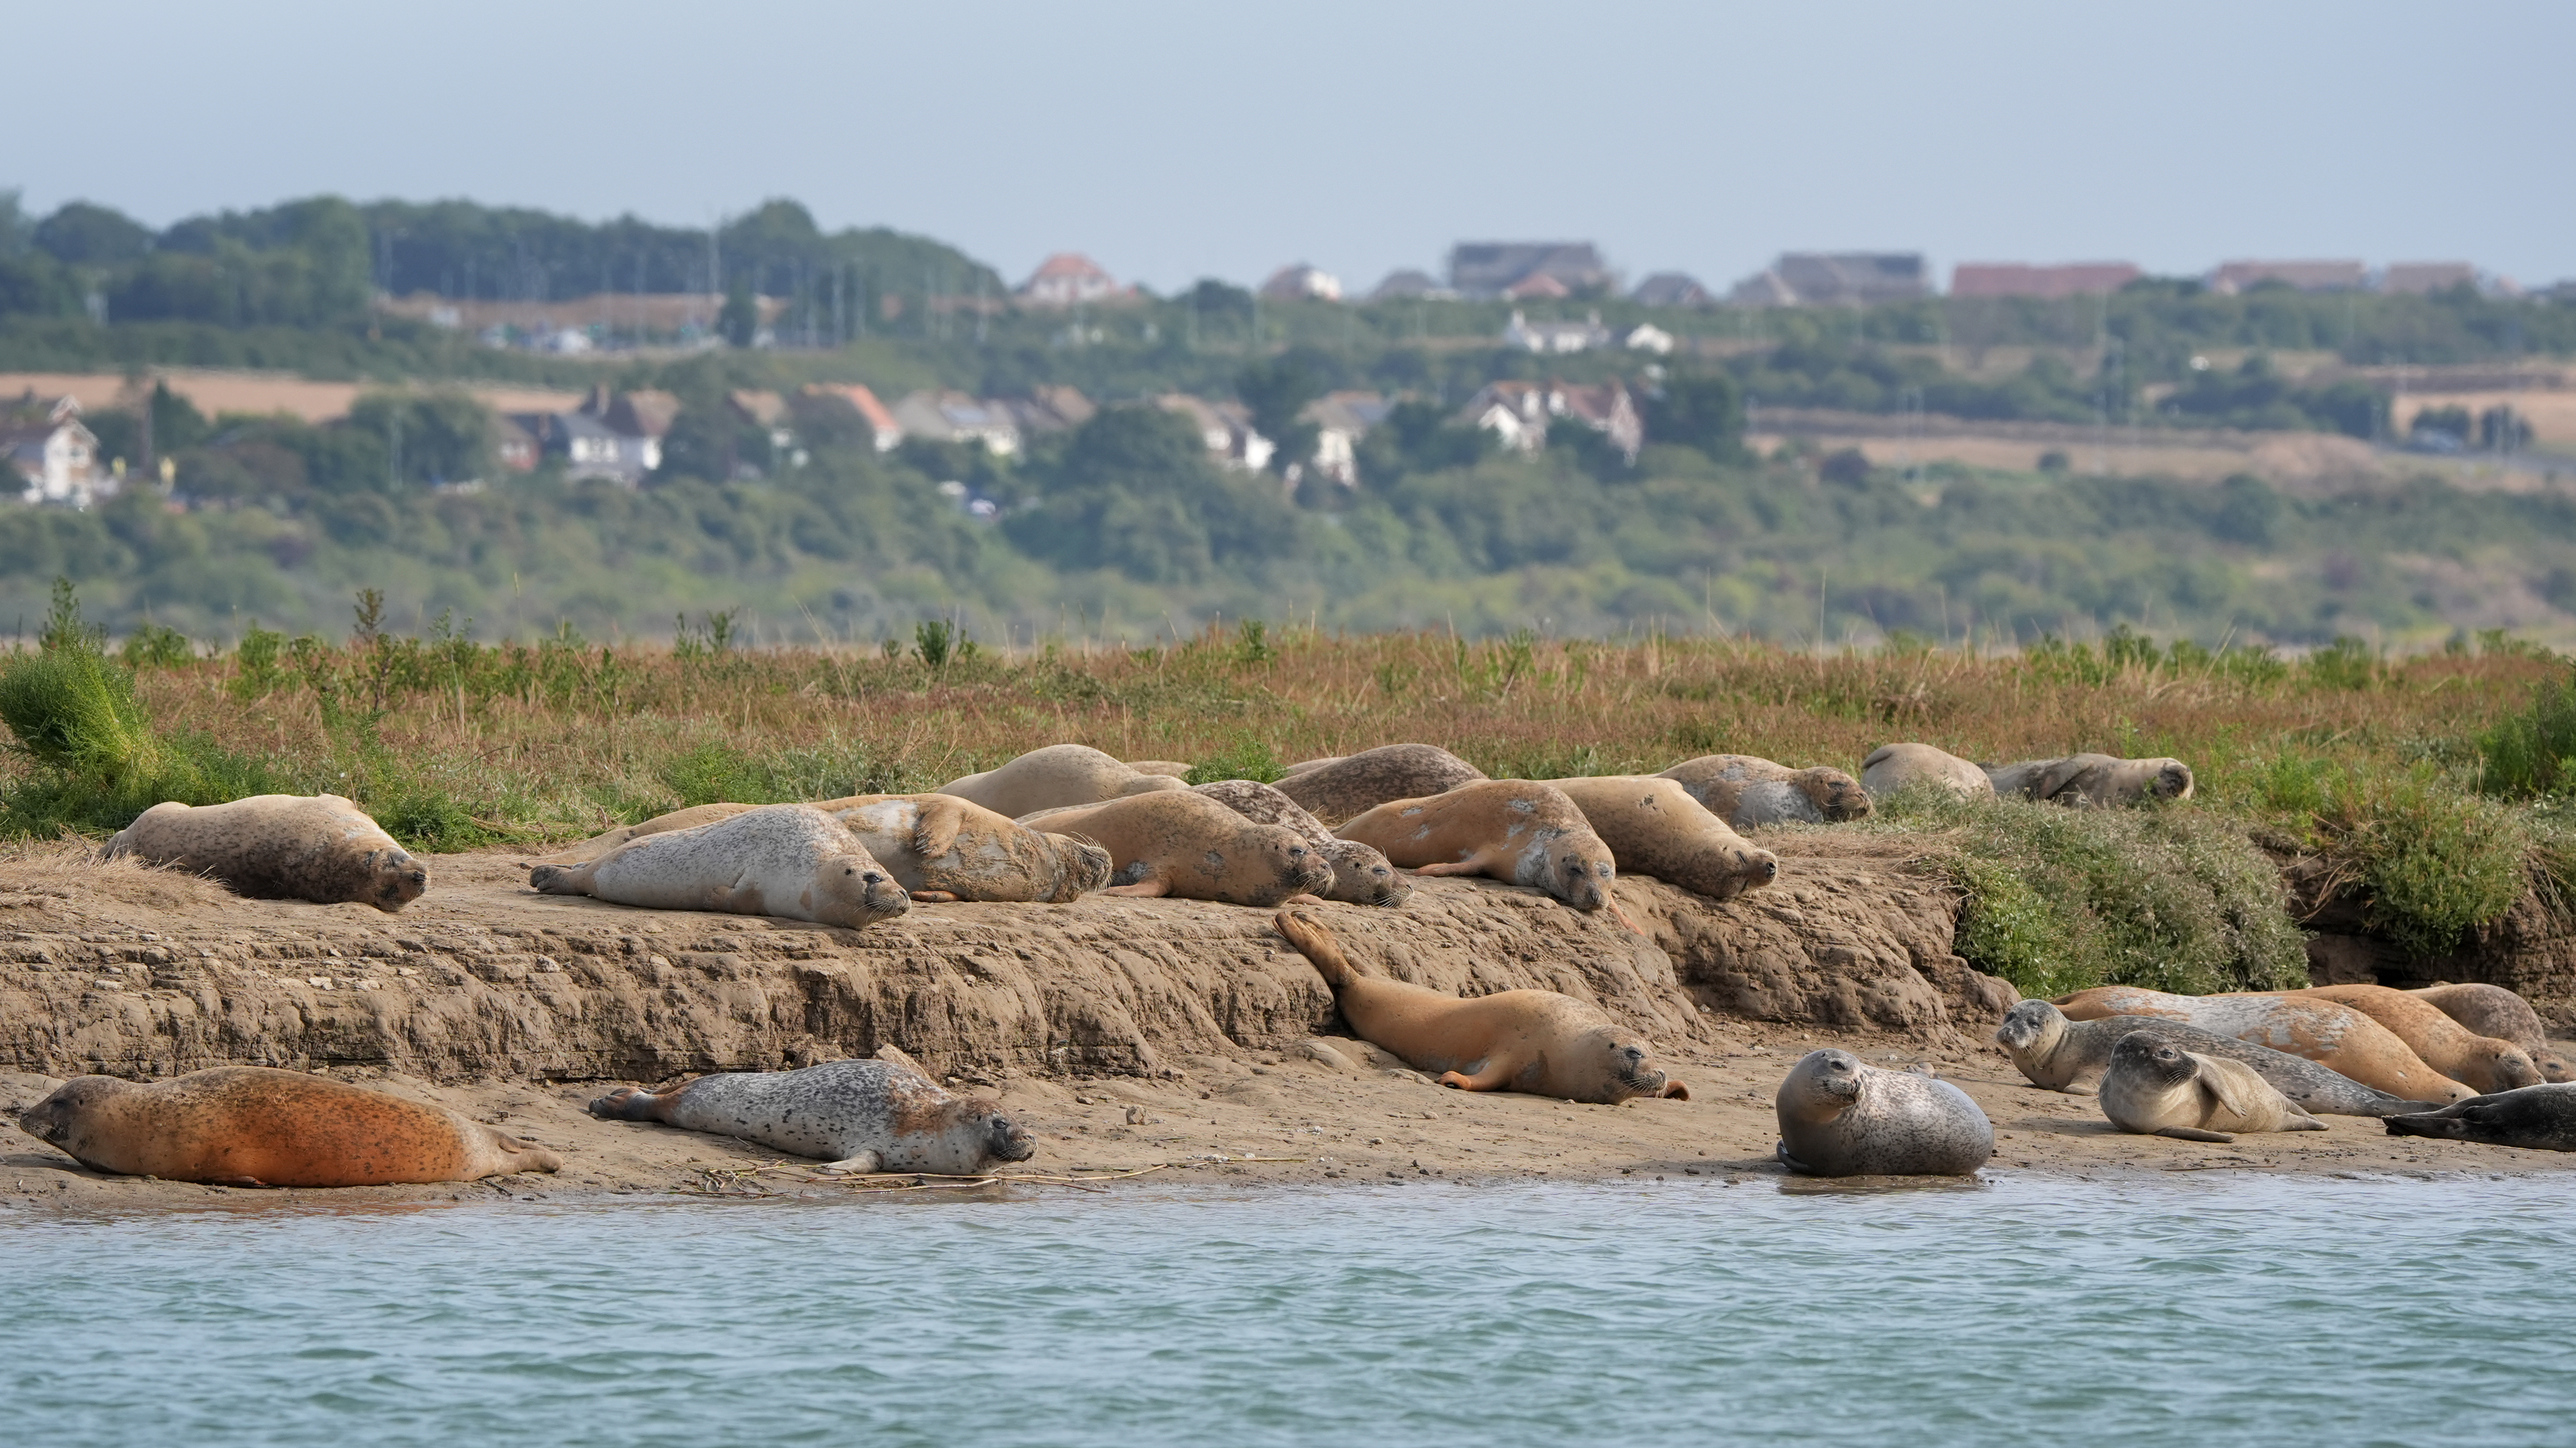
x=316, y=847
x=2447, y=1046
x=858, y=1116
x=1056, y=777
x=1654, y=827
x=2056, y=1053
x=1841, y=1116
x=792, y=861
x=253, y=1126
x=1180, y=843
x=1891, y=767
x=2535, y=1118
x=2097, y=781
x=2491, y=1010
x=1338, y=790
x=2335, y=1036
x=1515, y=830
x=1361, y=874
x=1533, y=1041
x=1177, y=769
x=2156, y=1088
x=1745, y=791
x=941, y=848
x=661, y=824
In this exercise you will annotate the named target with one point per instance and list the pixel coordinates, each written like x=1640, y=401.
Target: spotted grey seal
x=2536, y=1118
x=2156, y=1088
x=2057, y=1053
x=2098, y=781
x=789, y=860
x=1841, y=1116
x=1336, y=790
x=2335, y=1036
x=858, y=1116
x=316, y=847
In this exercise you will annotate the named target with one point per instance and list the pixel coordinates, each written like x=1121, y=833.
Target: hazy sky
x=1172, y=141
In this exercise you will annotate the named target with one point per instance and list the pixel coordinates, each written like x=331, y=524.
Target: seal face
x=1181, y=843
x=2335, y=1036
x=280, y=847
x=1361, y=873
x=1059, y=776
x=1746, y=791
x=1654, y=827
x=1892, y=767
x=2093, y=781
x=1336, y=790
x=2056, y=1053
x=2535, y=1118
x=2156, y=1088
x=2491, y=1010
x=1841, y=1116
x=860, y=1116
x=792, y=861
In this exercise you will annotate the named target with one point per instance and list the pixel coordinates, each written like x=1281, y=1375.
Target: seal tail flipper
x=934, y=897
x=860, y=1165
x=559, y=879
x=2194, y=1133
x=1319, y=947
x=628, y=1103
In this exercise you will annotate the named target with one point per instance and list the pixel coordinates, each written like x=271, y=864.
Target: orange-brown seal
x=2098, y=781
x=1654, y=827
x=1745, y=791
x=1535, y=1041
x=316, y=847
x=2447, y=1046
x=2335, y=1036
x=1891, y=767
x=257, y=1127
x=2491, y=1010
x=1179, y=843
x=1336, y=790
x=1059, y=776
x=1515, y=830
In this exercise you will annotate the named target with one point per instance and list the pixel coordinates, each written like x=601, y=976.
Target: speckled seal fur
x=1841, y=1116
x=2535, y=1118
x=2334, y=1036
x=2156, y=1088
x=2096, y=781
x=2058, y=1053
x=280, y=847
x=1059, y=776
x=789, y=860
x=1341, y=789
x=1361, y=873
x=1747, y=792
x=856, y=1116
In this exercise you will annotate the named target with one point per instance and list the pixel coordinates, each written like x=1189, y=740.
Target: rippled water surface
x=2209, y=1311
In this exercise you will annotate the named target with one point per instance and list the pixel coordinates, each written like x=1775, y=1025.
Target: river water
x=2238, y=1309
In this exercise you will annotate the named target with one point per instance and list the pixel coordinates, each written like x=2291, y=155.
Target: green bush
x=2434, y=859
x=156, y=646
x=2528, y=753
x=1246, y=758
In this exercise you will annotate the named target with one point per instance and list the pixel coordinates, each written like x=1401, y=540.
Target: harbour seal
x=1534, y=1041
x=2453, y=1049
x=2098, y=781
x=1745, y=791
x=2335, y=1036
x=1654, y=827
x=1341, y=789
x=1891, y=767
x=2491, y=1010
x=1361, y=874
x=1056, y=777
x=2156, y=1088
x=254, y=1126
x=789, y=860
x=1177, y=769
x=941, y=848
x=1515, y=830
x=1841, y=1116
x=661, y=824
x=858, y=1116
x=316, y=847
x=2535, y=1118
x=1183, y=844
x=2057, y=1053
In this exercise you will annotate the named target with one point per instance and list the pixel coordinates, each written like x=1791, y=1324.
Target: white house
x=1519, y=414
x=1551, y=337
x=1341, y=419
x=1647, y=337
x=1302, y=283
x=1065, y=279
x=1225, y=428
x=54, y=456
x=956, y=417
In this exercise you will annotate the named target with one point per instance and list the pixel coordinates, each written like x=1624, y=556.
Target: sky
x=1172, y=141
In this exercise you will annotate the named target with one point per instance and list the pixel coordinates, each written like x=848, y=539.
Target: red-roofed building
x=874, y=413
x=1067, y=278
x=2016, y=279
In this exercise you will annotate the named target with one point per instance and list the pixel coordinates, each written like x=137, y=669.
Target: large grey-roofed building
x=1489, y=268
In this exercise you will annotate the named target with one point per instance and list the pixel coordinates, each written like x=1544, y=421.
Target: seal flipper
x=2194, y=1133
x=861, y=1165
x=1450, y=867
x=1781, y=1150
x=560, y=879
x=631, y=1103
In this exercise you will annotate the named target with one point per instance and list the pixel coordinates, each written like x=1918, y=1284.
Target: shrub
x=1246, y=758
x=2434, y=859
x=2528, y=753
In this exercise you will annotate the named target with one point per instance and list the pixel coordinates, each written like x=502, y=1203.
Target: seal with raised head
x=1533, y=1041
x=1515, y=830
x=316, y=847
x=1341, y=789
x=2057, y=1053
x=2535, y=1118
x=1059, y=776
x=2335, y=1036
x=254, y=1126
x=1361, y=874
x=789, y=860
x=1841, y=1116
x=1891, y=767
x=2099, y=781
x=2154, y=1087
x=1654, y=827
x=1745, y=791
x=2453, y=1049
x=2491, y=1010
x=857, y=1116
x=1183, y=844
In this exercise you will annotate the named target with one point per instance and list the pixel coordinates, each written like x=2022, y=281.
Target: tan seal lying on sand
x=1515, y=830
x=1654, y=827
x=1891, y=767
x=2156, y=1088
x=938, y=847
x=2484, y=1062
x=1183, y=844
x=2057, y=1053
x=1841, y=1116
x=257, y=1127
x=1057, y=777
x=1745, y=791
x=1535, y=1041
x=316, y=847
x=858, y=1116
x=1361, y=874
x=2535, y=1118
x=1335, y=790
x=2099, y=781
x=2335, y=1036
x=2491, y=1010
x=789, y=860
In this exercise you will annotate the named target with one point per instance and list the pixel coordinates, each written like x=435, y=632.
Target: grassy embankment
x=2425, y=781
